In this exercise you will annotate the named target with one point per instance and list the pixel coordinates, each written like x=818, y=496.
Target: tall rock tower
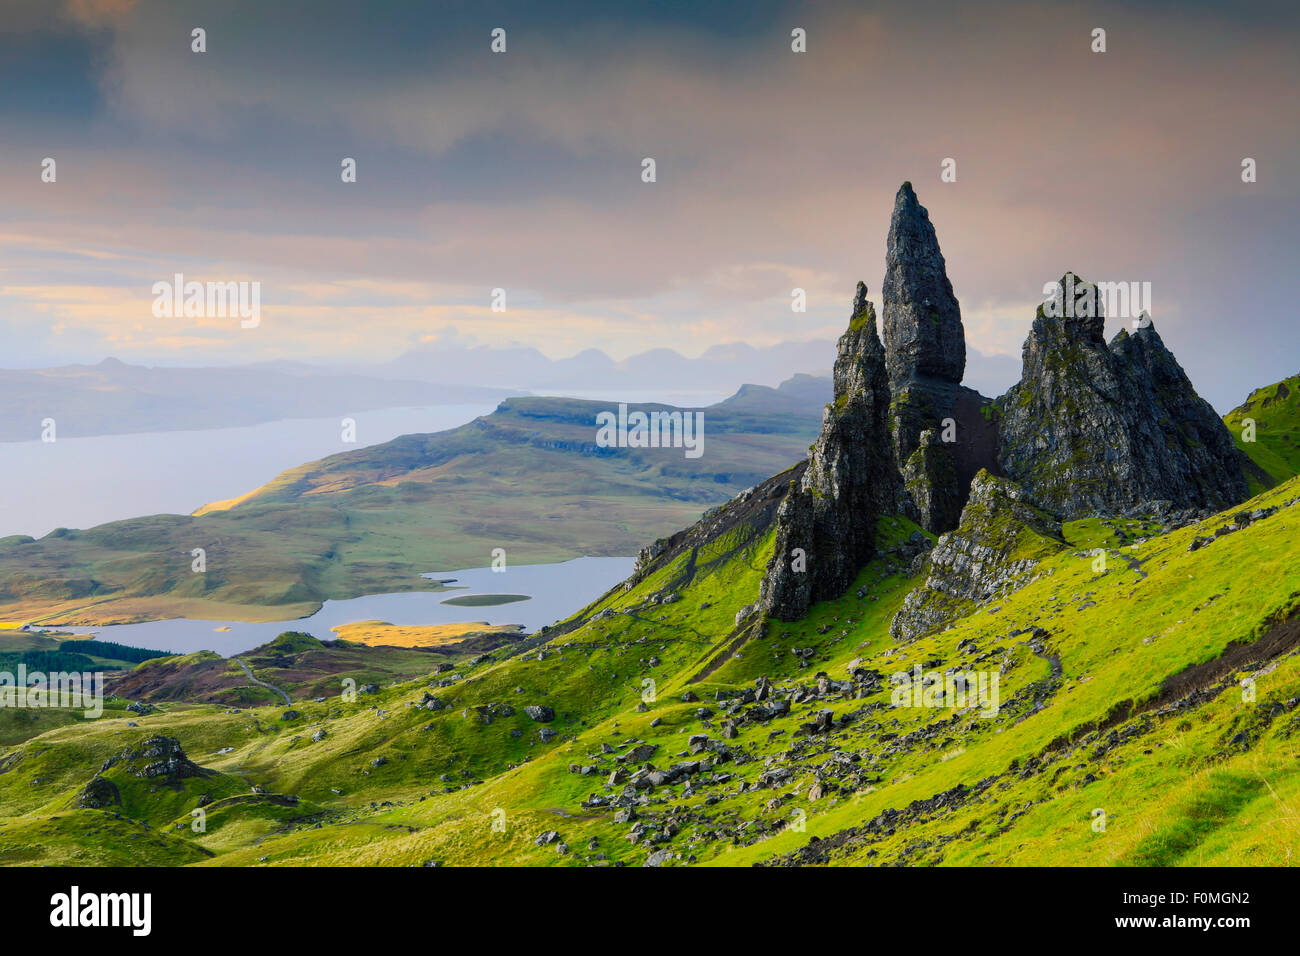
x=922, y=320
x=826, y=525
x=943, y=434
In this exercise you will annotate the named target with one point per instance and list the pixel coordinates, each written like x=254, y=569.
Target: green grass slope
x=529, y=477
x=1275, y=411
x=1124, y=733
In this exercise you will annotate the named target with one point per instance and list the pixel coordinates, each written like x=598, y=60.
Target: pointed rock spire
x=921, y=316
x=826, y=525
x=942, y=436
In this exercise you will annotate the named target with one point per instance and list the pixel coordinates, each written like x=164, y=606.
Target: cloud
x=97, y=13
x=774, y=169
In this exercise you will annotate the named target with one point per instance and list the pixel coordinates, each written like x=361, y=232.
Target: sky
x=522, y=171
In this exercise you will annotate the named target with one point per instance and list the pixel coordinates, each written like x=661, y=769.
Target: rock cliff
x=994, y=550
x=826, y=524
x=942, y=432
x=920, y=314
x=1101, y=429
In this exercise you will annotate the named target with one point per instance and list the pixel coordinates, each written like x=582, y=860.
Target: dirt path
x=260, y=683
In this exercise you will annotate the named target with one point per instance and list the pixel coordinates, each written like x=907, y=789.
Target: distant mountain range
x=113, y=397
x=724, y=367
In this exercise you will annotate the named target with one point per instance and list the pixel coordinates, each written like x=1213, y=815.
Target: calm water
x=555, y=591
x=82, y=482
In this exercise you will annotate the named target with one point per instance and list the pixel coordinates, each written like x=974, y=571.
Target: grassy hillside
x=1275, y=410
x=53, y=653
x=1124, y=733
x=528, y=478
x=295, y=665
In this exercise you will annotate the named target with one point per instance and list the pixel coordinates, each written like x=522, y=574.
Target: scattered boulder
x=641, y=753
x=98, y=794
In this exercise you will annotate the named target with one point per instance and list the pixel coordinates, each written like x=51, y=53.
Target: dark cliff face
x=943, y=435
x=826, y=525
x=1091, y=429
x=921, y=317
x=994, y=550
x=1098, y=429
x=941, y=431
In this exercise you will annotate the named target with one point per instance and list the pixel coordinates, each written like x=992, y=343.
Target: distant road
x=260, y=683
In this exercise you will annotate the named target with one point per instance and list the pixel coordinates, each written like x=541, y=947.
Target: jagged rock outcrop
x=98, y=794
x=157, y=757
x=942, y=432
x=920, y=314
x=929, y=474
x=1097, y=429
x=1001, y=539
x=1091, y=429
x=826, y=524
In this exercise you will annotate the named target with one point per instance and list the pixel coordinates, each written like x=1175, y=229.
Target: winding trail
x=260, y=683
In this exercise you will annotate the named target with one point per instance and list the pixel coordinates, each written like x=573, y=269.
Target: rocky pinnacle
x=826, y=525
x=941, y=435
x=920, y=314
x=1100, y=429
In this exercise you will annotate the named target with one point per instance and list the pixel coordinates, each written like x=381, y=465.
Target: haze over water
x=82, y=482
